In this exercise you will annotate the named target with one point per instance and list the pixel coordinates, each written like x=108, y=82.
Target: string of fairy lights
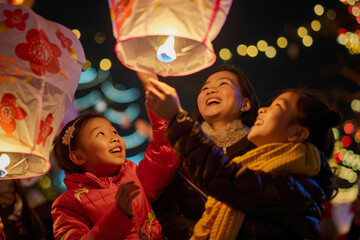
x=282, y=42
x=346, y=159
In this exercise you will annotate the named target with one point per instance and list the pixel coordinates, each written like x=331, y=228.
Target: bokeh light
x=338, y=157
x=262, y=45
x=302, y=32
x=105, y=64
x=348, y=128
x=242, y=50
x=355, y=105
x=357, y=136
x=336, y=133
x=319, y=10
x=315, y=25
x=307, y=41
x=45, y=181
x=86, y=65
x=270, y=52
x=346, y=141
x=77, y=33
x=99, y=37
x=331, y=14
x=282, y=42
x=252, y=51
x=225, y=54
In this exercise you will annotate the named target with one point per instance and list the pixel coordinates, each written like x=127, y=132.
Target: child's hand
x=125, y=194
x=163, y=100
x=145, y=78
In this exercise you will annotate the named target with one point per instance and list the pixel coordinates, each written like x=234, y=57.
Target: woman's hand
x=125, y=194
x=145, y=78
x=162, y=99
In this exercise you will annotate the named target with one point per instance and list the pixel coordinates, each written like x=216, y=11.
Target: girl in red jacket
x=108, y=197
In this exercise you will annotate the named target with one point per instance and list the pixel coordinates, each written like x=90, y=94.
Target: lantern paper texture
x=40, y=67
x=142, y=26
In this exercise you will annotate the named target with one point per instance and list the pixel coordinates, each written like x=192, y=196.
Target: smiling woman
x=226, y=107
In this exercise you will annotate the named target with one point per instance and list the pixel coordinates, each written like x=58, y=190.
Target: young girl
x=226, y=108
x=284, y=199
x=108, y=197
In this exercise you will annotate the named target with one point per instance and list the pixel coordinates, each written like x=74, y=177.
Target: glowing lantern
x=40, y=67
x=169, y=37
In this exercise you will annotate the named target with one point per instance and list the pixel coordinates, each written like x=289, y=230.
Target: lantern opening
x=166, y=52
x=4, y=162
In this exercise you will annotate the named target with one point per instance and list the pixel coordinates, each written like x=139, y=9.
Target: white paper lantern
x=40, y=67
x=142, y=27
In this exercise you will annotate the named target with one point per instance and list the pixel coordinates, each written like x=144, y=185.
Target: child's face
x=101, y=147
x=274, y=123
x=220, y=98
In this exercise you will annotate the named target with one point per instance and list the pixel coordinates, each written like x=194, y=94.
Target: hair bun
x=331, y=118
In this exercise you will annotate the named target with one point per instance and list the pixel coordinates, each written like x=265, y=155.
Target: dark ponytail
x=315, y=114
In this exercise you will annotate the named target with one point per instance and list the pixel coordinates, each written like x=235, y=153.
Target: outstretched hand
x=162, y=99
x=125, y=194
x=145, y=78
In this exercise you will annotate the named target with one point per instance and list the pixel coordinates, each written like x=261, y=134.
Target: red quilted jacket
x=87, y=210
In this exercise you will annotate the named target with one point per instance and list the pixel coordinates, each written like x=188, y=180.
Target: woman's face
x=274, y=123
x=220, y=99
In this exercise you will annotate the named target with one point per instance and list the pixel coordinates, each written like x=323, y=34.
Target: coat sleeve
x=71, y=222
x=241, y=188
x=159, y=165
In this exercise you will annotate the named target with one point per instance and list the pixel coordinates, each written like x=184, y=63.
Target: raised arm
x=210, y=169
x=159, y=165
x=145, y=78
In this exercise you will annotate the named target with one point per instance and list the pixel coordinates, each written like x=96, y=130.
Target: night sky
x=322, y=66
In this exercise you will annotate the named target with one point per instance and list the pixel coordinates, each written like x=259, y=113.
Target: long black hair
x=246, y=90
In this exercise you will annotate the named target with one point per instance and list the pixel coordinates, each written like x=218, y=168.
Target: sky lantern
x=40, y=67
x=167, y=37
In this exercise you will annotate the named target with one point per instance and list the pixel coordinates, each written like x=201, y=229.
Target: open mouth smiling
x=116, y=150
x=212, y=101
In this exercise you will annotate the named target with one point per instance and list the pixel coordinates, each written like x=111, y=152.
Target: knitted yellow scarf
x=219, y=221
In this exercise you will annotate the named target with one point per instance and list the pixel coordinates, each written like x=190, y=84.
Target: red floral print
x=16, y=19
x=45, y=129
x=41, y=53
x=9, y=112
x=65, y=42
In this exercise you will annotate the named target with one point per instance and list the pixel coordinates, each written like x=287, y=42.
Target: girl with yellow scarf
x=293, y=138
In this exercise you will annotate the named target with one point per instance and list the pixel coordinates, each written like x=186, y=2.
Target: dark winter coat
x=182, y=203
x=276, y=207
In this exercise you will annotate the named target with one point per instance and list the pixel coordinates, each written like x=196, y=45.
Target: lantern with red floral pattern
x=40, y=67
x=167, y=37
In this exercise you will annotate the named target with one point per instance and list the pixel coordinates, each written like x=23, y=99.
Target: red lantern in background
x=40, y=67
x=170, y=37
